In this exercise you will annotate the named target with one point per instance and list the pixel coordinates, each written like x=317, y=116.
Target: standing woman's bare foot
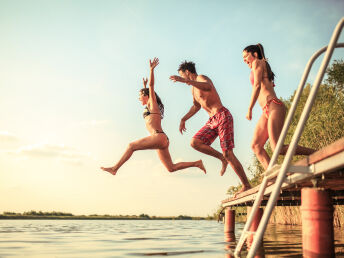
x=243, y=189
x=224, y=167
x=200, y=165
x=111, y=170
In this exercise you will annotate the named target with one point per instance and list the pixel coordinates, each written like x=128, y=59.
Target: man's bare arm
x=193, y=110
x=204, y=84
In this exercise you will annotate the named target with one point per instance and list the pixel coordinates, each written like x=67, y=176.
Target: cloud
x=6, y=137
x=57, y=151
x=95, y=123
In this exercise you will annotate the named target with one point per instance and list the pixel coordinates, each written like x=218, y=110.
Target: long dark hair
x=145, y=92
x=260, y=52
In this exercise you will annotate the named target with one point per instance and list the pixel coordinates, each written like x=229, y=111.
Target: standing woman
x=152, y=114
x=271, y=122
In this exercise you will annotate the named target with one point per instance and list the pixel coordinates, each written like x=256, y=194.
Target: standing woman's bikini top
x=252, y=79
x=146, y=112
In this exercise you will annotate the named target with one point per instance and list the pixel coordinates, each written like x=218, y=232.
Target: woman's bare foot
x=224, y=167
x=111, y=170
x=200, y=165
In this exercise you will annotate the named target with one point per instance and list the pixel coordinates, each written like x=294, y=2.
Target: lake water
x=138, y=238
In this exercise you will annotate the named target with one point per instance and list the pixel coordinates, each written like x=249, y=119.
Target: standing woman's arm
x=258, y=73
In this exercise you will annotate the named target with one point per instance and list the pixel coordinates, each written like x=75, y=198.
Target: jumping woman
x=271, y=122
x=152, y=114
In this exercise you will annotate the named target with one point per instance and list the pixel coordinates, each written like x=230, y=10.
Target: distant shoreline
x=68, y=216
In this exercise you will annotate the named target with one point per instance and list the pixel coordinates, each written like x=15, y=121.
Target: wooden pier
x=327, y=165
x=318, y=183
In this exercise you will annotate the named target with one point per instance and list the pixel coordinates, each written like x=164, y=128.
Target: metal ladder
x=273, y=169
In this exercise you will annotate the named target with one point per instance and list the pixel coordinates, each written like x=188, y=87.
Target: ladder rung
x=301, y=169
x=273, y=172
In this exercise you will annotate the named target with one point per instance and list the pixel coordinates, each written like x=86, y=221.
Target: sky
x=70, y=72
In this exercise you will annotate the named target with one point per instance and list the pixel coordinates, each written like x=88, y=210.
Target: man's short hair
x=190, y=66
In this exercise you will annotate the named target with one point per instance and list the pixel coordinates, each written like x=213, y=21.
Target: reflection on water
x=127, y=238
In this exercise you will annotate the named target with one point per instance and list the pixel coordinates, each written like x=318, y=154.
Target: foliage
x=144, y=216
x=40, y=213
x=184, y=217
x=335, y=75
x=62, y=215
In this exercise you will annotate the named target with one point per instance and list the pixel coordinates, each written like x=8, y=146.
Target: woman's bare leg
x=275, y=125
x=150, y=142
x=260, y=136
x=165, y=158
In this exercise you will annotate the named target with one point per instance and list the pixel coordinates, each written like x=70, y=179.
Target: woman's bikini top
x=252, y=78
x=146, y=112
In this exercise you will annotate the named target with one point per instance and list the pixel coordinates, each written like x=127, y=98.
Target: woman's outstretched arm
x=151, y=78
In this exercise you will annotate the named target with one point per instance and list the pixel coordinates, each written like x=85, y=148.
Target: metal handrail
x=292, y=147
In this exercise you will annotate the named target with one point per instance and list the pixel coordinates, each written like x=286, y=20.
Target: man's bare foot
x=111, y=170
x=243, y=189
x=224, y=167
x=200, y=165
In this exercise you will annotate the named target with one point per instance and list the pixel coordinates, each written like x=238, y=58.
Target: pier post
x=255, y=223
x=317, y=223
x=229, y=220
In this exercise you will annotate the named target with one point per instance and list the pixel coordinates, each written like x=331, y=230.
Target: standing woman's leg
x=150, y=142
x=275, y=126
x=166, y=160
x=260, y=136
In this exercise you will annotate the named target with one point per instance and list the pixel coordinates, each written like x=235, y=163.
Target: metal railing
x=292, y=147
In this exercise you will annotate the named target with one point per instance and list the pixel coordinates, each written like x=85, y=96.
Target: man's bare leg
x=238, y=169
x=206, y=149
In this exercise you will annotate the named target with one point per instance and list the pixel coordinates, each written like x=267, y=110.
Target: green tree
x=144, y=216
x=335, y=75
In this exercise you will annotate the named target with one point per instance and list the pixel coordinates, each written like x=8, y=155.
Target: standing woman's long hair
x=145, y=92
x=260, y=52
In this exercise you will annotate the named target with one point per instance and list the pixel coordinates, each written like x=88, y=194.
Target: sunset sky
x=70, y=72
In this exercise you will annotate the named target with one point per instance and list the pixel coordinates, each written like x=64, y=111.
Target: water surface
x=138, y=238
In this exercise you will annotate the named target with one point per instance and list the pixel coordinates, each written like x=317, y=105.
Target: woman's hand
x=145, y=80
x=249, y=114
x=154, y=63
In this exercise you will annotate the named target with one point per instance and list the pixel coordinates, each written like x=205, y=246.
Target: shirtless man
x=219, y=124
